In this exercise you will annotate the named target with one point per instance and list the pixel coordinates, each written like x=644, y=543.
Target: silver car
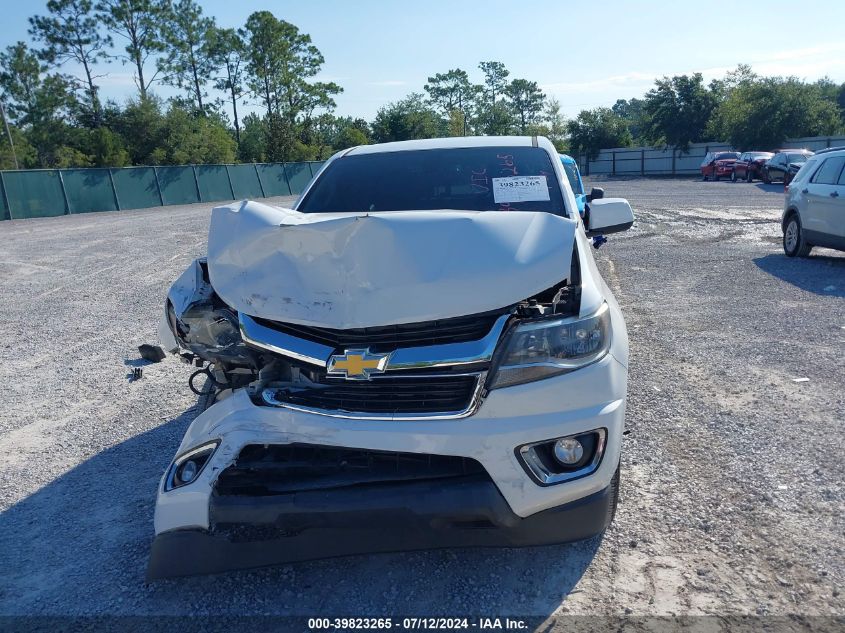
x=814, y=211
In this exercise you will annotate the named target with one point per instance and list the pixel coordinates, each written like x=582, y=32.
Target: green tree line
x=58, y=119
x=452, y=105
x=743, y=109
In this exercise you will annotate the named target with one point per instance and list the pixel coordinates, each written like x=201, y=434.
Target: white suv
x=814, y=211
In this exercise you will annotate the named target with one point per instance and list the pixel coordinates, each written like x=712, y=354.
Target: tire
x=715, y=175
x=748, y=176
x=733, y=175
x=794, y=244
x=704, y=177
x=764, y=176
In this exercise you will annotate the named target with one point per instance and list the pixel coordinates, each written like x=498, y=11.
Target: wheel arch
x=790, y=211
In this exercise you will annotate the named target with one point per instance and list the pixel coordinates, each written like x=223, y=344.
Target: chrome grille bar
x=403, y=359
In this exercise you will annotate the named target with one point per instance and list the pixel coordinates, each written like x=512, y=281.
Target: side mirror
x=596, y=193
x=609, y=216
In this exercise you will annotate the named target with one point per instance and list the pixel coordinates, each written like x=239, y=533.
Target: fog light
x=568, y=451
x=186, y=468
x=556, y=460
x=190, y=469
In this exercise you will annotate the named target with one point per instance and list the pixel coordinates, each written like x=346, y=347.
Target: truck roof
x=457, y=141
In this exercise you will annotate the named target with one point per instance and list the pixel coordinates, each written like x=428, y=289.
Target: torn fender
x=189, y=289
x=372, y=269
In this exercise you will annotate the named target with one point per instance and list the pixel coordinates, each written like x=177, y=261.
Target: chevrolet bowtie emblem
x=357, y=364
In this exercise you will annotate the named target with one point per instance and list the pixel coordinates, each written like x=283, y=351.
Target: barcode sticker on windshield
x=520, y=189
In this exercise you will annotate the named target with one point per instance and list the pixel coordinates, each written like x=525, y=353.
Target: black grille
x=266, y=470
x=390, y=337
x=424, y=394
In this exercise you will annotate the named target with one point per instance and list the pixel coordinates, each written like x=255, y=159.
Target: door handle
x=835, y=194
x=805, y=191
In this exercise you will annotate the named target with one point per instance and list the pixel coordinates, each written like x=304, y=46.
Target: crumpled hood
x=361, y=270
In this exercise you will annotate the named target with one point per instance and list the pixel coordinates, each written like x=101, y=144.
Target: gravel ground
x=732, y=497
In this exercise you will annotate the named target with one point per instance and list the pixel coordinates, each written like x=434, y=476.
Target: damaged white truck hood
x=360, y=270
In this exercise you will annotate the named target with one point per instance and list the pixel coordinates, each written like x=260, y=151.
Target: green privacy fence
x=49, y=192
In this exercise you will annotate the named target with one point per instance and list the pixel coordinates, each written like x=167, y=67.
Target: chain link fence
x=41, y=193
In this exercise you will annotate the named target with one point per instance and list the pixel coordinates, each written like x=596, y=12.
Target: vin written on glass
x=520, y=189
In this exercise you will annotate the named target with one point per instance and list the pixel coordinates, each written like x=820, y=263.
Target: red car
x=750, y=166
x=718, y=164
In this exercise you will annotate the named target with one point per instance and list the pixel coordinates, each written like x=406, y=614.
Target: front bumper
x=318, y=524
x=514, y=509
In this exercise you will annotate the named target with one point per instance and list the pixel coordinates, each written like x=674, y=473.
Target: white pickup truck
x=420, y=353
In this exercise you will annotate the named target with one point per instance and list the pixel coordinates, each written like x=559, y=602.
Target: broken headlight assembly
x=210, y=333
x=542, y=348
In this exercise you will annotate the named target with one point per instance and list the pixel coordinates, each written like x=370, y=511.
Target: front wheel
x=766, y=177
x=733, y=176
x=794, y=244
x=715, y=176
x=748, y=176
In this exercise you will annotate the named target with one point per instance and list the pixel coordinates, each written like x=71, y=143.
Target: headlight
x=540, y=349
x=187, y=467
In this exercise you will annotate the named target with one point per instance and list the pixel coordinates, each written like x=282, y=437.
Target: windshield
x=571, y=170
x=726, y=155
x=755, y=155
x=797, y=158
x=467, y=178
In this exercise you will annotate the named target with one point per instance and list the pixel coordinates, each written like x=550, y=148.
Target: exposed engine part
x=211, y=382
x=561, y=299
